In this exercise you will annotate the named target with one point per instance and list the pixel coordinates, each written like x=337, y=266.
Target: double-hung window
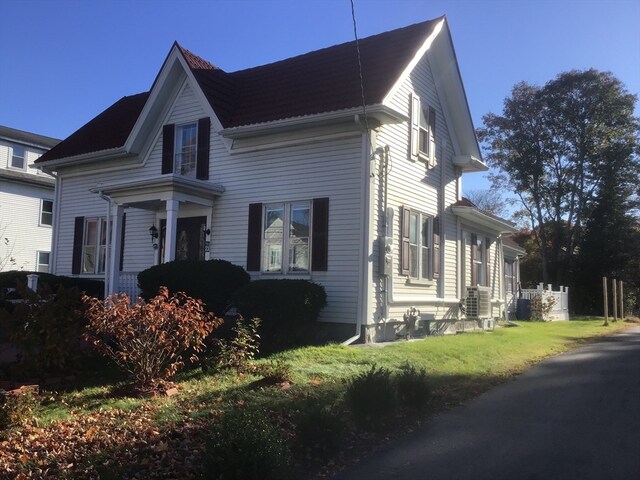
x=286, y=229
x=480, y=260
x=288, y=237
x=18, y=157
x=46, y=212
x=509, y=276
x=420, y=247
x=94, y=245
x=186, y=149
x=423, y=132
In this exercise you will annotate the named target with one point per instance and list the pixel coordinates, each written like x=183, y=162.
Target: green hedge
x=48, y=283
x=287, y=308
x=212, y=281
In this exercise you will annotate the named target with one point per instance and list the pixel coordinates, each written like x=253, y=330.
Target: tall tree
x=549, y=146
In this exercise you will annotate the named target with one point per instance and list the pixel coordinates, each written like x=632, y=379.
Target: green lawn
x=459, y=367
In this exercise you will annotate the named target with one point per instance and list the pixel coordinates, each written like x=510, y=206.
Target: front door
x=189, y=238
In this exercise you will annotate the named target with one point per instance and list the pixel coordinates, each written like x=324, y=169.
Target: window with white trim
x=186, y=149
x=417, y=248
x=94, y=245
x=42, y=261
x=18, y=156
x=286, y=230
x=509, y=276
x=479, y=260
x=46, y=212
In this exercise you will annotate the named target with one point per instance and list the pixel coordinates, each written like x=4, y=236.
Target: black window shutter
x=254, y=237
x=320, y=235
x=474, y=254
x=168, y=141
x=78, y=235
x=124, y=224
x=202, y=162
x=405, y=228
x=436, y=247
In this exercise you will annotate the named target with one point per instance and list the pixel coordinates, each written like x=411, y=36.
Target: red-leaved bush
x=148, y=339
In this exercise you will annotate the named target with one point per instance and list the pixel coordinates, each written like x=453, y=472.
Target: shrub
x=241, y=349
x=17, y=409
x=47, y=331
x=212, y=281
x=412, y=386
x=245, y=445
x=287, y=309
x=148, y=339
x=370, y=396
x=320, y=431
x=48, y=283
x=277, y=371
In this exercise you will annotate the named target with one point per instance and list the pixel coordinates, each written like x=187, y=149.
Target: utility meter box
x=386, y=255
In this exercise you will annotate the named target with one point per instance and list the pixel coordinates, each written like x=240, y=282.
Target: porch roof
x=468, y=211
x=150, y=193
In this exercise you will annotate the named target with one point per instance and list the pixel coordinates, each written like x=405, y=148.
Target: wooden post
x=621, y=300
x=606, y=301
x=614, y=293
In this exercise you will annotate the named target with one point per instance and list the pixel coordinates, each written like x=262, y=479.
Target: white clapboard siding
x=20, y=225
x=311, y=167
x=413, y=185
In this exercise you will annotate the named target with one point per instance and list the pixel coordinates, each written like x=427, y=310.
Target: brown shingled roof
x=108, y=130
x=325, y=80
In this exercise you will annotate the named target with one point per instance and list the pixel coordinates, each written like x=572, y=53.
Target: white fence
x=560, y=310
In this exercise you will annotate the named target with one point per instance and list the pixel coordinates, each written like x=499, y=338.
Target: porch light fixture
x=206, y=231
x=153, y=231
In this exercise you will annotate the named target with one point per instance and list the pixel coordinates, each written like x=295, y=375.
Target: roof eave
x=84, y=158
x=481, y=219
x=470, y=163
x=382, y=114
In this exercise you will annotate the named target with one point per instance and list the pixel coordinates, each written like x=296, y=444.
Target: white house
x=283, y=170
x=26, y=202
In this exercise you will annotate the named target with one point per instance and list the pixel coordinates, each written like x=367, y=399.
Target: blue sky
x=63, y=62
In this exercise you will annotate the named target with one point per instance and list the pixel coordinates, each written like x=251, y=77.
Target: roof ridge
x=196, y=62
x=393, y=31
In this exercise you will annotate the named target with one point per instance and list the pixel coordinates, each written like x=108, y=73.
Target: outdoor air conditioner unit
x=478, y=302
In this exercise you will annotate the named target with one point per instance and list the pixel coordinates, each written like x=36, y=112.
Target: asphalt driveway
x=574, y=416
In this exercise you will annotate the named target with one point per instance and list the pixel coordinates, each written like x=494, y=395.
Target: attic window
x=186, y=149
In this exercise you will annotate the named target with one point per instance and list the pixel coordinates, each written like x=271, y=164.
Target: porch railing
x=560, y=310
x=128, y=282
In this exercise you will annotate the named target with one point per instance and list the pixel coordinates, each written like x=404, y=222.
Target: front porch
x=181, y=223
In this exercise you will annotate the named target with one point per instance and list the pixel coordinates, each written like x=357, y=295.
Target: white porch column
x=116, y=249
x=173, y=207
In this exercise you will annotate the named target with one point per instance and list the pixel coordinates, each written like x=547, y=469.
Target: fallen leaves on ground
x=127, y=443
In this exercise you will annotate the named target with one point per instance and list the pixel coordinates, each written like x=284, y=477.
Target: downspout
x=107, y=254
x=55, y=229
x=363, y=289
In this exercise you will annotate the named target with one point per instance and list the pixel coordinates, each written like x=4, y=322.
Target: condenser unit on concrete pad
x=478, y=302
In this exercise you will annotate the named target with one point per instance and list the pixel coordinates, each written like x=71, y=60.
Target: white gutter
x=83, y=158
x=380, y=112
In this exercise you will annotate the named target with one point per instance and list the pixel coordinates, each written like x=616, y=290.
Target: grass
x=464, y=364
x=459, y=367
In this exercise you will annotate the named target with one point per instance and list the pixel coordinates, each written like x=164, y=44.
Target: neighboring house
x=281, y=169
x=26, y=202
